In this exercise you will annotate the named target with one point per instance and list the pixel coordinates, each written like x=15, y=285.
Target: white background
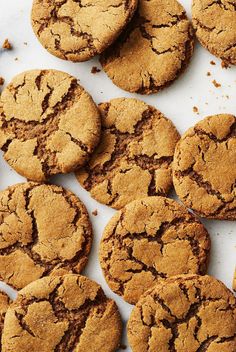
x=193, y=88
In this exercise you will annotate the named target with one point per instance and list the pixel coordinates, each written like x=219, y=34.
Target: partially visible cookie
x=234, y=281
x=150, y=239
x=44, y=229
x=4, y=304
x=62, y=314
x=78, y=30
x=188, y=313
x=48, y=124
x=204, y=171
x=134, y=157
x=215, y=26
x=153, y=51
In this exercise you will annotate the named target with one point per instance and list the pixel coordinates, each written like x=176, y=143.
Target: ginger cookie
x=215, y=26
x=187, y=313
x=134, y=157
x=153, y=51
x=150, y=239
x=4, y=304
x=45, y=229
x=78, y=30
x=48, y=124
x=60, y=314
x=204, y=170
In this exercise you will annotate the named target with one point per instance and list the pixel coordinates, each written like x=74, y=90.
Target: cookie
x=48, y=124
x=234, y=281
x=204, y=170
x=215, y=26
x=60, y=314
x=44, y=229
x=188, y=313
x=78, y=30
x=4, y=304
x=150, y=239
x=134, y=157
x=153, y=51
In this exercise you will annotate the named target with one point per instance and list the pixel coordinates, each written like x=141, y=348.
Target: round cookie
x=134, y=157
x=215, y=26
x=188, y=313
x=153, y=51
x=78, y=30
x=150, y=239
x=204, y=170
x=67, y=313
x=48, y=124
x=4, y=304
x=44, y=229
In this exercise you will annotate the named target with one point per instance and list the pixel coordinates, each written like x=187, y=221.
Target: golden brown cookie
x=234, y=281
x=44, y=229
x=78, y=30
x=134, y=157
x=48, y=124
x=150, y=239
x=204, y=171
x=4, y=304
x=62, y=314
x=188, y=313
x=215, y=24
x=154, y=49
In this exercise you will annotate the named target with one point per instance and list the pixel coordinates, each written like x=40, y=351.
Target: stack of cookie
x=154, y=252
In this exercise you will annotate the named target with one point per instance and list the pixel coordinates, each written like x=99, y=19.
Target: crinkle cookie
x=134, y=157
x=204, y=171
x=78, y=30
x=153, y=51
x=48, y=124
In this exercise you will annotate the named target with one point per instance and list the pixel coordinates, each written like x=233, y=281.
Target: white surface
x=193, y=88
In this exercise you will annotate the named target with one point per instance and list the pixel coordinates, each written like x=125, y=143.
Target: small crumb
x=208, y=73
x=95, y=212
x=7, y=45
x=212, y=62
x=25, y=43
x=216, y=84
x=16, y=59
x=95, y=70
x=225, y=64
x=2, y=80
x=195, y=109
x=227, y=96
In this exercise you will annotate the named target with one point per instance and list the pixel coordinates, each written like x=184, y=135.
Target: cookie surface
x=44, y=229
x=4, y=304
x=215, y=26
x=154, y=49
x=48, y=124
x=149, y=239
x=67, y=313
x=134, y=157
x=184, y=314
x=79, y=30
x=204, y=170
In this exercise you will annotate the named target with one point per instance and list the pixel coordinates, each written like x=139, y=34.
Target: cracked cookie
x=45, y=229
x=150, y=239
x=215, y=24
x=134, y=157
x=48, y=124
x=4, y=304
x=153, y=51
x=62, y=314
x=78, y=30
x=204, y=170
x=188, y=313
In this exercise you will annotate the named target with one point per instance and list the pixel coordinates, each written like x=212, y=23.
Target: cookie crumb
x=95, y=70
x=212, y=63
x=16, y=59
x=195, y=110
x=216, y=84
x=25, y=43
x=2, y=80
x=225, y=64
x=95, y=212
x=208, y=73
x=7, y=45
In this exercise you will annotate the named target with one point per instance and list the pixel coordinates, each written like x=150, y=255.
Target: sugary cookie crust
x=58, y=314
x=215, y=25
x=79, y=30
x=134, y=157
x=150, y=239
x=154, y=49
x=45, y=229
x=48, y=124
x=204, y=170
x=184, y=314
